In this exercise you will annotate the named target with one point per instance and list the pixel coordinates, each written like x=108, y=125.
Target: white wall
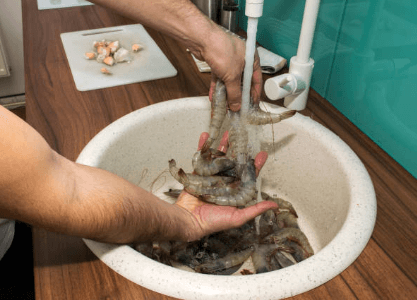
x=11, y=33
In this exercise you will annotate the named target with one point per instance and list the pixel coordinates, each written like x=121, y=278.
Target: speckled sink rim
x=290, y=281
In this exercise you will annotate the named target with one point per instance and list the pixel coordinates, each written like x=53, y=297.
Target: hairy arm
x=183, y=21
x=40, y=187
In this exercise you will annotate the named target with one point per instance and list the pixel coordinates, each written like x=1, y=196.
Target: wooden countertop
x=65, y=268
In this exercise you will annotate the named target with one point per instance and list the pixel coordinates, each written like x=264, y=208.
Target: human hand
x=226, y=58
x=208, y=218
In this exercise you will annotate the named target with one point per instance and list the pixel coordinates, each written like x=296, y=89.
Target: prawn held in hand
x=218, y=114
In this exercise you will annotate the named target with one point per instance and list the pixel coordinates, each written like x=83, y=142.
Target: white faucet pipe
x=308, y=26
x=249, y=59
x=254, y=8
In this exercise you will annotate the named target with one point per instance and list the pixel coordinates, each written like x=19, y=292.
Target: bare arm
x=182, y=20
x=40, y=187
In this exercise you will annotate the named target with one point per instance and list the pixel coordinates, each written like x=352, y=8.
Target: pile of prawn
x=225, y=178
x=230, y=179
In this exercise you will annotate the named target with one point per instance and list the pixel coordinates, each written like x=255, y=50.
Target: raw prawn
x=244, y=193
x=261, y=258
x=256, y=116
x=204, y=181
x=211, y=162
x=226, y=262
x=238, y=143
x=291, y=234
x=286, y=219
x=199, y=190
x=278, y=244
x=283, y=260
x=218, y=114
x=282, y=204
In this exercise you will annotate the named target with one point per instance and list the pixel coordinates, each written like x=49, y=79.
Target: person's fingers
x=260, y=160
x=257, y=81
x=203, y=138
x=249, y=213
x=212, y=86
x=224, y=142
x=234, y=94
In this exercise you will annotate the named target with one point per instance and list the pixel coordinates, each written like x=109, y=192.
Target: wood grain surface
x=65, y=268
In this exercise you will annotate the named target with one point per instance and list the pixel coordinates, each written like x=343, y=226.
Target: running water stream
x=247, y=80
x=249, y=59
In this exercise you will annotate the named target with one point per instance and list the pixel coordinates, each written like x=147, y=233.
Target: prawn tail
x=183, y=177
x=260, y=117
x=173, y=169
x=287, y=114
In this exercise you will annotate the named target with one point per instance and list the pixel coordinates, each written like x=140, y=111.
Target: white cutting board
x=50, y=4
x=147, y=64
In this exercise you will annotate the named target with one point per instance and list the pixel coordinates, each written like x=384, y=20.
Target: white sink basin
x=308, y=165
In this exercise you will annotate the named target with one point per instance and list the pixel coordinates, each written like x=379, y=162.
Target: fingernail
x=263, y=155
x=234, y=106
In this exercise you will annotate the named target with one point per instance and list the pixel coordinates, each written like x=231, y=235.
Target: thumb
x=253, y=211
x=234, y=95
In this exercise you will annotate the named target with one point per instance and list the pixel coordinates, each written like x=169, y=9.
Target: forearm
x=177, y=18
x=42, y=188
x=114, y=210
x=182, y=20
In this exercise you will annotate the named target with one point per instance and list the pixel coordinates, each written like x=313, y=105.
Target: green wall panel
x=279, y=31
x=365, y=54
x=374, y=74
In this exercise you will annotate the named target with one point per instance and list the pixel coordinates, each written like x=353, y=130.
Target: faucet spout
x=308, y=27
x=301, y=65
